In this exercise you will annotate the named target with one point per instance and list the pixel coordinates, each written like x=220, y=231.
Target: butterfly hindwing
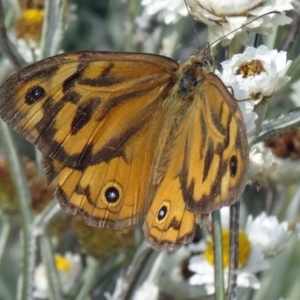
x=169, y=224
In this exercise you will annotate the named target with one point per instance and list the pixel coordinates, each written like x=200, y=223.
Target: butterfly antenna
x=216, y=41
x=193, y=24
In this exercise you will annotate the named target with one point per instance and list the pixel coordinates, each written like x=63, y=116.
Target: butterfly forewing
x=94, y=100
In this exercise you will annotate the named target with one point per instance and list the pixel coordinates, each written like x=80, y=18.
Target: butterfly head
x=202, y=57
x=193, y=72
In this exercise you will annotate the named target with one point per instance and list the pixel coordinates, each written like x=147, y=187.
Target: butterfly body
x=130, y=135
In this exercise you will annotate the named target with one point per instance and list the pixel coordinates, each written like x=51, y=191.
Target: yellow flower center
x=29, y=25
x=251, y=68
x=244, y=249
x=62, y=264
x=33, y=15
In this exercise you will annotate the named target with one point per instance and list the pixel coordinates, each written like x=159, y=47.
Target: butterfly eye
x=34, y=94
x=233, y=165
x=111, y=193
x=208, y=59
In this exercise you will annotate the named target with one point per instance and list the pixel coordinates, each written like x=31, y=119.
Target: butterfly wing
x=112, y=194
x=104, y=121
x=204, y=161
x=169, y=224
x=95, y=116
x=209, y=149
x=216, y=149
x=79, y=108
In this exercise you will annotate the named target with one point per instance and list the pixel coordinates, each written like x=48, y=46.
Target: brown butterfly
x=129, y=135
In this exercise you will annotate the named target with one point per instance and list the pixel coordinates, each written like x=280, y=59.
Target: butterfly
x=132, y=136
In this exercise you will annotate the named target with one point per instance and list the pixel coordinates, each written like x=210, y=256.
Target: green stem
x=93, y=266
x=24, y=198
x=6, y=47
x=139, y=264
x=218, y=256
x=51, y=24
x=234, y=250
x=54, y=286
x=38, y=229
x=4, y=232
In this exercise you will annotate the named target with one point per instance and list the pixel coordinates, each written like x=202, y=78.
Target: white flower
x=189, y=272
x=263, y=237
x=267, y=233
x=261, y=163
x=250, y=258
x=147, y=291
x=167, y=11
x=204, y=272
x=256, y=74
x=69, y=268
x=224, y=16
